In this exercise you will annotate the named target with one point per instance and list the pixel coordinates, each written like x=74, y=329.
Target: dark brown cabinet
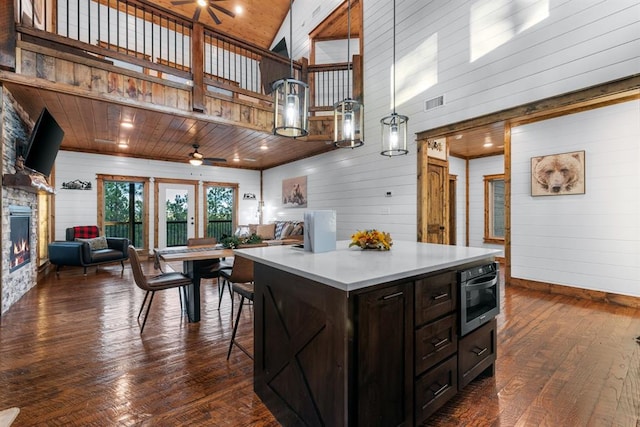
x=383, y=333
x=477, y=353
x=436, y=343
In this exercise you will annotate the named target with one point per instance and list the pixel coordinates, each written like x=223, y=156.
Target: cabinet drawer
x=435, y=296
x=435, y=342
x=435, y=388
x=476, y=353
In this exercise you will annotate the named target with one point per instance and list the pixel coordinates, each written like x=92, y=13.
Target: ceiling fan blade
x=222, y=9
x=196, y=15
x=213, y=16
x=181, y=2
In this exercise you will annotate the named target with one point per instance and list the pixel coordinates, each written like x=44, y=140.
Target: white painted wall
x=478, y=168
x=592, y=240
x=79, y=207
x=483, y=56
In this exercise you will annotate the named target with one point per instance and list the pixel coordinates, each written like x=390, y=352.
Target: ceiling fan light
x=202, y=3
x=195, y=161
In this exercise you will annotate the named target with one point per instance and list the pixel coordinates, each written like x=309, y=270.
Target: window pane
x=219, y=212
x=123, y=210
x=497, y=186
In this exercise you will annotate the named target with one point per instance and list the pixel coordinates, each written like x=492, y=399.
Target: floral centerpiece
x=233, y=242
x=371, y=239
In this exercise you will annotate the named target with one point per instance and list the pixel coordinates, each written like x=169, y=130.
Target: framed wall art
x=294, y=192
x=558, y=174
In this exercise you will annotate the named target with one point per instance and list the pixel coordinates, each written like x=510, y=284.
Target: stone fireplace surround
x=15, y=127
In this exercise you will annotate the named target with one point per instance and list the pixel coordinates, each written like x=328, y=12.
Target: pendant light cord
x=348, y=45
x=393, y=92
x=291, y=34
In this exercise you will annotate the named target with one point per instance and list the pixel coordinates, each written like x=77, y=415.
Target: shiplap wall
x=79, y=207
x=522, y=51
x=592, y=240
x=478, y=168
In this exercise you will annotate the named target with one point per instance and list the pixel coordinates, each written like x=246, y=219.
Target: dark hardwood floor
x=71, y=354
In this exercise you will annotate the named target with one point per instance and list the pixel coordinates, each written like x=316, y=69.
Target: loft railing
x=142, y=38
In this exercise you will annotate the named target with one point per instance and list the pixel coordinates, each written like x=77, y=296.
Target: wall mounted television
x=44, y=144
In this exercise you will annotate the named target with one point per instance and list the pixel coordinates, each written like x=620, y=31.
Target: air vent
x=316, y=11
x=105, y=141
x=432, y=103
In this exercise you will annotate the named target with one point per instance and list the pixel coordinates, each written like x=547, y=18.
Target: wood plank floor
x=71, y=354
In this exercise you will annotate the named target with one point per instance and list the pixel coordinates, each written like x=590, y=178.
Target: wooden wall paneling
x=171, y=97
x=28, y=63
x=157, y=93
x=7, y=35
x=45, y=67
x=64, y=72
x=83, y=76
x=183, y=99
x=99, y=80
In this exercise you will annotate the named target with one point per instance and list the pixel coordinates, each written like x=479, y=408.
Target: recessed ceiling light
x=264, y=147
x=127, y=125
x=239, y=10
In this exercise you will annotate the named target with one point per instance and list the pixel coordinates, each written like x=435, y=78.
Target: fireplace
x=20, y=230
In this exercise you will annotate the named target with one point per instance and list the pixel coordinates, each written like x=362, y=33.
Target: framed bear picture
x=558, y=174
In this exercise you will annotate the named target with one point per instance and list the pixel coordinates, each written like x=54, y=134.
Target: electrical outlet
x=388, y=194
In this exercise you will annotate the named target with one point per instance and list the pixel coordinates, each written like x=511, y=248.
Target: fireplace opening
x=20, y=230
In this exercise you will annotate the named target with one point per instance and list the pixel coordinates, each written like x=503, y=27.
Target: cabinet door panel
x=435, y=388
x=381, y=356
x=477, y=352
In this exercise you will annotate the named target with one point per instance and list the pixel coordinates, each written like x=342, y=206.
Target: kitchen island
x=338, y=336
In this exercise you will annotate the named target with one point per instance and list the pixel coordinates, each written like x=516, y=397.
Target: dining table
x=192, y=257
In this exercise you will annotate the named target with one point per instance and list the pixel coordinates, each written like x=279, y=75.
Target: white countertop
x=350, y=269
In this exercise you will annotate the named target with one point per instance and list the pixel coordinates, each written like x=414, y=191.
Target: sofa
x=279, y=232
x=84, y=247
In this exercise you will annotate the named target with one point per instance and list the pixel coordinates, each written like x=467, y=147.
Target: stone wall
x=15, y=128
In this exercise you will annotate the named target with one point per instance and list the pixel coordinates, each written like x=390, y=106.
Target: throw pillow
x=297, y=229
x=86, y=231
x=266, y=231
x=286, y=231
x=96, y=243
x=279, y=226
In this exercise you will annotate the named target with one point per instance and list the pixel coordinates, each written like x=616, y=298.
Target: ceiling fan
x=209, y=5
x=197, y=159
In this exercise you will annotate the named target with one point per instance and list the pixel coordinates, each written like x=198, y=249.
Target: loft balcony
x=135, y=57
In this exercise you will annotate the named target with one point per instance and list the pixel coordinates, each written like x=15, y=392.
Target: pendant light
x=290, y=102
x=348, y=113
x=394, y=126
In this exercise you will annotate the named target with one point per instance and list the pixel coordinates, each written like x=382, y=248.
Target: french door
x=176, y=208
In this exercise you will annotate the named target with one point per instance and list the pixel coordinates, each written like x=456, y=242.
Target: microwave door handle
x=482, y=285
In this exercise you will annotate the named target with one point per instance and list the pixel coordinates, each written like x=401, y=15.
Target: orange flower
x=371, y=239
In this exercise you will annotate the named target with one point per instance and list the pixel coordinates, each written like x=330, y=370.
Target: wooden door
x=453, y=181
x=437, y=198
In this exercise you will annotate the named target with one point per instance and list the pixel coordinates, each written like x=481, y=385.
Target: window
x=220, y=210
x=123, y=203
x=494, y=209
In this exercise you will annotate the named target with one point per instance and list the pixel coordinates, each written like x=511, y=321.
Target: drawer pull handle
x=440, y=390
x=441, y=342
x=437, y=297
x=479, y=351
x=397, y=294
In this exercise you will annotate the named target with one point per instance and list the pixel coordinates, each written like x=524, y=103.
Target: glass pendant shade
x=291, y=103
x=394, y=135
x=348, y=116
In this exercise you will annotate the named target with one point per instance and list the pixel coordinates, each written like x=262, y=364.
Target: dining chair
x=210, y=268
x=241, y=280
x=153, y=283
